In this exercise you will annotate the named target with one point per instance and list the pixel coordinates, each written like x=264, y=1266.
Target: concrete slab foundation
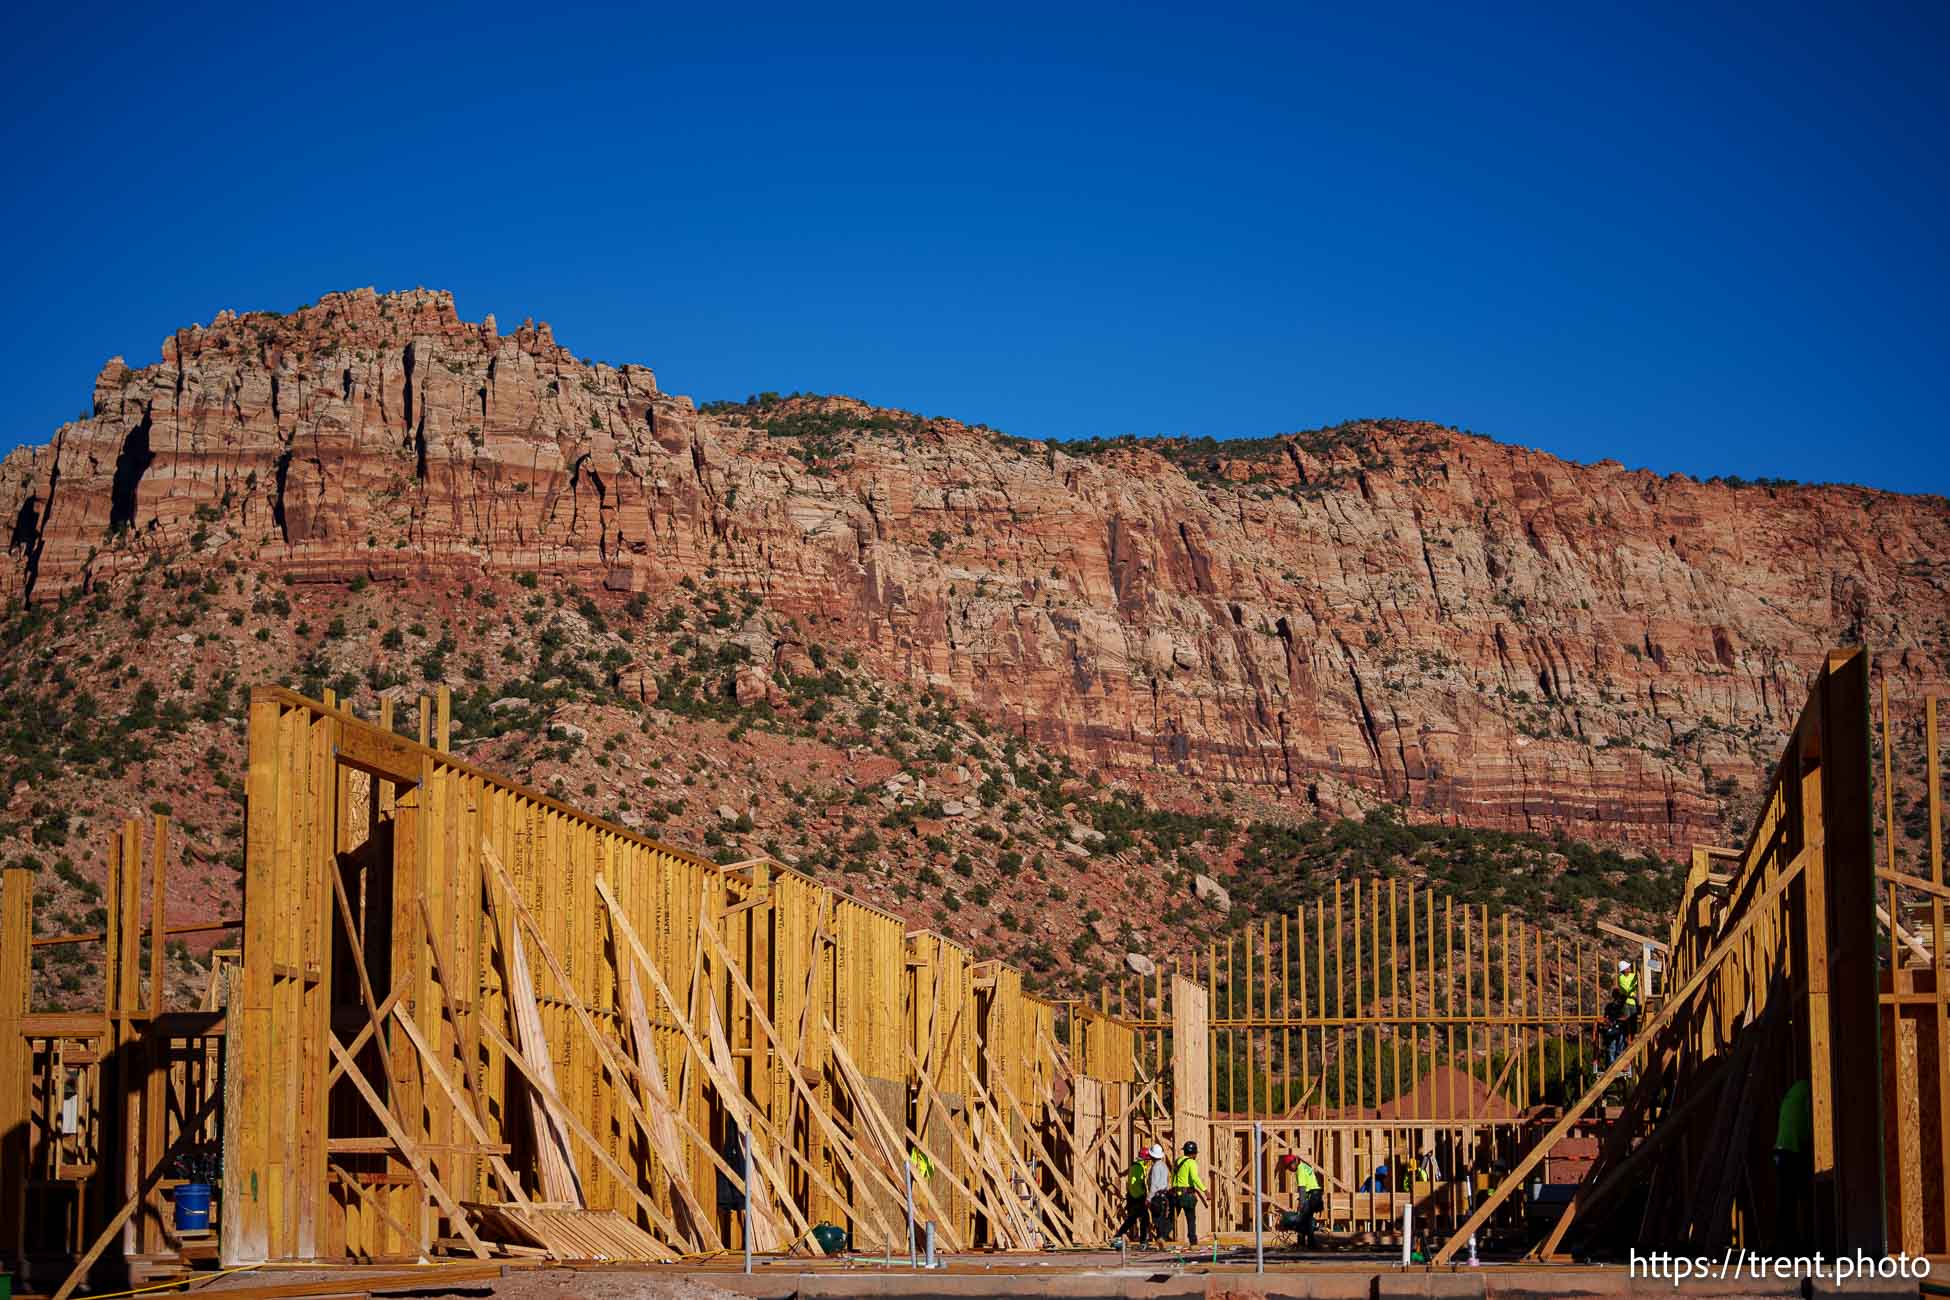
x=1087, y=1275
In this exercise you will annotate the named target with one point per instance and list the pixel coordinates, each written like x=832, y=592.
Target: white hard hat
x=1624, y=965
x=1157, y=1152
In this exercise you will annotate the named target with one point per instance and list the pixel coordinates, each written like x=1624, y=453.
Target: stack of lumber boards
x=567, y=1232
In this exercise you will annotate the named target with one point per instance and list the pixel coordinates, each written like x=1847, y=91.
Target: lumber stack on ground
x=567, y=1233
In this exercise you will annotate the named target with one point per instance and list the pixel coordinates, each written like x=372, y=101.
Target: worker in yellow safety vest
x=1137, y=1208
x=1310, y=1201
x=1628, y=994
x=1186, y=1188
x=918, y=1161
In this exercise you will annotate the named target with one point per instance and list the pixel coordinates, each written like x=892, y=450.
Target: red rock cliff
x=1387, y=609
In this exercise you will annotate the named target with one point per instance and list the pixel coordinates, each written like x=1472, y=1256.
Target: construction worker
x=1157, y=1193
x=1186, y=1188
x=918, y=1161
x=731, y=1196
x=1621, y=1014
x=1310, y=1201
x=1137, y=1208
x=1794, y=1169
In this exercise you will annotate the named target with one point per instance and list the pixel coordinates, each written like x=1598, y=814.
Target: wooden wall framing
x=456, y=990
x=98, y=1108
x=1382, y=1022
x=1915, y=998
x=1775, y=976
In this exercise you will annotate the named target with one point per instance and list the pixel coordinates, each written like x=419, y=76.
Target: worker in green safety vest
x=1794, y=1167
x=918, y=1161
x=1310, y=1201
x=1137, y=1210
x=1186, y=1188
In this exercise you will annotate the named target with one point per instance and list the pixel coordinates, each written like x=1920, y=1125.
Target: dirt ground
x=569, y=1284
x=520, y=1284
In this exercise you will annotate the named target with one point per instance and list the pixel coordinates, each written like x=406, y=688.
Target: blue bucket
x=193, y=1207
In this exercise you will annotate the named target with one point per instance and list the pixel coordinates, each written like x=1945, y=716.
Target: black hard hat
x=1191, y=1148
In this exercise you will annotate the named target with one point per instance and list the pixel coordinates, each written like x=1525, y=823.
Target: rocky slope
x=661, y=715
x=1380, y=611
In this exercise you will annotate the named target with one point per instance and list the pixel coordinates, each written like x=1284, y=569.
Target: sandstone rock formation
x=1383, y=610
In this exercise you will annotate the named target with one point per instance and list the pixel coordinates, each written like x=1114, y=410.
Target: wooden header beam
x=169, y=932
x=1633, y=936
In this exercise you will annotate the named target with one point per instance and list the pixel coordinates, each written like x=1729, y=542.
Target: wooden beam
x=154, y=1048
x=172, y=931
x=888, y=1135
x=1633, y=936
x=246, y=1223
x=1055, y=1216
x=124, y=1098
x=1065, y=1183
x=379, y=754
x=158, y=886
x=1903, y=936
x=755, y=901
x=724, y=1077
x=1844, y=978
x=1130, y=1108
x=1933, y=775
x=1729, y=1147
x=1907, y=881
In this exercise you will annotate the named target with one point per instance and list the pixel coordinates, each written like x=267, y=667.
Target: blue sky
x=1695, y=238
